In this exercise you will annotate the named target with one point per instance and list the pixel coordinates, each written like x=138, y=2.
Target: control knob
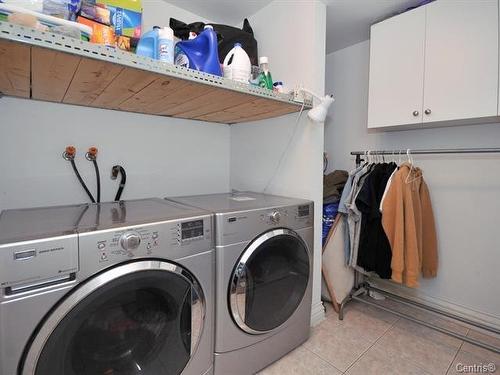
x=275, y=217
x=130, y=241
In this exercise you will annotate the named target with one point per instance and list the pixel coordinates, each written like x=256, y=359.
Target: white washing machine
x=264, y=256
x=106, y=289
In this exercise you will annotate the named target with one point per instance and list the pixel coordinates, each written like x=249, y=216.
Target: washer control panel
x=152, y=240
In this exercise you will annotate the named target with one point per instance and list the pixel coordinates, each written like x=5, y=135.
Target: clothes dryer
x=264, y=257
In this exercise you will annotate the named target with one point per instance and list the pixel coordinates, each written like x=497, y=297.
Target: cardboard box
x=94, y=12
x=126, y=16
x=102, y=34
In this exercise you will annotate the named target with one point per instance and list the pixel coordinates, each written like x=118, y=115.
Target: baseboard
x=317, y=313
x=459, y=310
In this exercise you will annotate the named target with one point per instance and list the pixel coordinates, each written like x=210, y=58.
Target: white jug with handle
x=237, y=65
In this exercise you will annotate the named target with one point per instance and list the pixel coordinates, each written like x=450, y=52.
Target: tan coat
x=408, y=222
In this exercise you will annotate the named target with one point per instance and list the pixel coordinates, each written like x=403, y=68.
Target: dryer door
x=144, y=317
x=269, y=281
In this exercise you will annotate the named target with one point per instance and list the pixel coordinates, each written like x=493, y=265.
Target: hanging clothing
x=387, y=189
x=344, y=210
x=374, y=252
x=354, y=216
x=408, y=222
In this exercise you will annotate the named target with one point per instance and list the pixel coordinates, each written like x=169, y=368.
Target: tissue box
x=126, y=16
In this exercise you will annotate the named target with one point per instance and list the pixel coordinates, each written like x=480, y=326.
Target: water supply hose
x=91, y=155
x=69, y=155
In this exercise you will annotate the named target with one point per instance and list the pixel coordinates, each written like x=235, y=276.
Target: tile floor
x=370, y=341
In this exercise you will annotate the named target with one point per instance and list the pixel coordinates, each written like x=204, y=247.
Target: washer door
x=269, y=281
x=144, y=317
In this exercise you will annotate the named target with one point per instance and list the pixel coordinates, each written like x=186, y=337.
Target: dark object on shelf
x=227, y=36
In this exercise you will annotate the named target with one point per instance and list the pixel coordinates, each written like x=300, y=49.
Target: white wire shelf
x=45, y=66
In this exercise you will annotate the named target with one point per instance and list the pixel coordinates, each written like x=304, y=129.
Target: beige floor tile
x=429, y=333
x=374, y=312
x=468, y=359
x=415, y=344
x=300, y=362
x=377, y=361
x=369, y=325
x=337, y=344
x=479, y=352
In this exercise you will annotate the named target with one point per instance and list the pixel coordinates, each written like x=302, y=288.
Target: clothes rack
x=362, y=288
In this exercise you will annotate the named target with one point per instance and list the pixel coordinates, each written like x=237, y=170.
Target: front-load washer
x=106, y=289
x=264, y=256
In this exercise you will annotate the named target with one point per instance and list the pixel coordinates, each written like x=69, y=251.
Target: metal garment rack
x=362, y=288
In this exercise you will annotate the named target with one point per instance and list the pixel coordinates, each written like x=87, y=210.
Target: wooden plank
x=51, y=73
x=14, y=69
x=216, y=101
x=267, y=115
x=249, y=110
x=158, y=90
x=125, y=85
x=90, y=80
x=187, y=94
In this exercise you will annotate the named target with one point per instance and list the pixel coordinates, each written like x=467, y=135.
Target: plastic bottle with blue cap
x=201, y=52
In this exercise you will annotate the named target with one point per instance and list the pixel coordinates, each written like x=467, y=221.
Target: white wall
x=256, y=148
x=464, y=189
x=162, y=156
x=158, y=13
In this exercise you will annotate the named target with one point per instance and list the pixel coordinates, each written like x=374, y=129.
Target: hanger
x=370, y=167
x=410, y=161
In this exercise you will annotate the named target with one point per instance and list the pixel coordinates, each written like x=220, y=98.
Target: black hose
x=98, y=178
x=115, y=170
x=81, y=181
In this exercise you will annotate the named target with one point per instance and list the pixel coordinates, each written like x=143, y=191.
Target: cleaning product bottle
x=237, y=65
x=201, y=52
x=265, y=78
x=148, y=44
x=166, y=45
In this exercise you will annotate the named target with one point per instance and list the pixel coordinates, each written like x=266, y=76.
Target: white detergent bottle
x=237, y=65
x=166, y=45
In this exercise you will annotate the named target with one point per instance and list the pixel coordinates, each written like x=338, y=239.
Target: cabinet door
x=397, y=70
x=461, y=60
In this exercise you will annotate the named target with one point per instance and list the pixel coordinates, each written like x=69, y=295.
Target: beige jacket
x=408, y=222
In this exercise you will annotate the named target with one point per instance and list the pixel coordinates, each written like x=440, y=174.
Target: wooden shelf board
x=30, y=71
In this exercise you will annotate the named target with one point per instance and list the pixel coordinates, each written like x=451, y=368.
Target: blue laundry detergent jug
x=148, y=44
x=201, y=52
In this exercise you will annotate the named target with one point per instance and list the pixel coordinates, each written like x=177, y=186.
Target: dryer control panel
x=242, y=226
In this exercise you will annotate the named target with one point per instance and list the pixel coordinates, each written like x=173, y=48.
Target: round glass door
x=140, y=318
x=269, y=281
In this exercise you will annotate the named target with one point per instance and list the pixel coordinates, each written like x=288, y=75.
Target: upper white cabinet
x=461, y=60
x=397, y=70
x=434, y=64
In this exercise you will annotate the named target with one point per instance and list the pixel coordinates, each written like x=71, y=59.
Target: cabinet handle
x=427, y=111
x=415, y=113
